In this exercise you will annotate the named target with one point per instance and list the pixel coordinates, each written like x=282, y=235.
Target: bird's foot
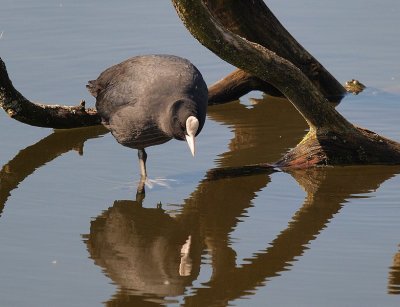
x=162, y=182
x=151, y=183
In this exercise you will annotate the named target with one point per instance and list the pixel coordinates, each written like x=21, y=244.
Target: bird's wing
x=116, y=87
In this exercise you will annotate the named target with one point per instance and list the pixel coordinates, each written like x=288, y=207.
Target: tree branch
x=237, y=84
x=49, y=116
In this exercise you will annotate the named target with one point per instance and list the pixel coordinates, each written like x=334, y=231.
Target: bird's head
x=187, y=121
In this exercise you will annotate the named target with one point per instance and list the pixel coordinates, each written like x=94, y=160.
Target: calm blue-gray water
x=72, y=233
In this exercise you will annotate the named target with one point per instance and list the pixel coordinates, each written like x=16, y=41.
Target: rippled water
x=73, y=234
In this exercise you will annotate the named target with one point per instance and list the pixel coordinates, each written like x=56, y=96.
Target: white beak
x=192, y=143
x=192, y=124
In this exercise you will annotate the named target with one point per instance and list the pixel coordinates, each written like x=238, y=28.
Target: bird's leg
x=142, y=155
x=142, y=162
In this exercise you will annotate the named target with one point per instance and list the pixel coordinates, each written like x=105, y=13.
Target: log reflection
x=327, y=191
x=262, y=132
x=394, y=275
x=28, y=160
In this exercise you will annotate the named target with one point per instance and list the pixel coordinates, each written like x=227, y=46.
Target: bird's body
x=148, y=100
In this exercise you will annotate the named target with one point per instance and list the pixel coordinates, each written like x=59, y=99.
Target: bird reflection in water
x=143, y=250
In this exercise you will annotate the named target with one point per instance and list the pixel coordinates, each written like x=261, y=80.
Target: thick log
x=360, y=146
x=260, y=61
x=326, y=125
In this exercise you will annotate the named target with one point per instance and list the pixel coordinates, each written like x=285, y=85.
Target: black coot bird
x=151, y=99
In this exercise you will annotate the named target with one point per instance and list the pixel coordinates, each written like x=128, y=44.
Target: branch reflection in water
x=153, y=257
x=28, y=160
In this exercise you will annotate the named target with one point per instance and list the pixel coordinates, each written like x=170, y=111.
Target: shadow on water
x=155, y=258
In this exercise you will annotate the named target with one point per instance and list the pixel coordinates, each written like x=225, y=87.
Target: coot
x=148, y=100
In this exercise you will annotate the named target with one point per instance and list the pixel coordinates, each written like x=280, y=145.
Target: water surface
x=73, y=234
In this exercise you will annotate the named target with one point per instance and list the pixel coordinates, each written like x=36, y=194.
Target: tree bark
x=254, y=21
x=331, y=139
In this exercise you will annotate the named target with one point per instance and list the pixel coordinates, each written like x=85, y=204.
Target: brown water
x=73, y=234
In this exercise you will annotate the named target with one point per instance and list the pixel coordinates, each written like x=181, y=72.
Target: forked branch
x=331, y=139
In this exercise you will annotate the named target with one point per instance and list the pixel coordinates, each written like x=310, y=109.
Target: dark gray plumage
x=147, y=100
